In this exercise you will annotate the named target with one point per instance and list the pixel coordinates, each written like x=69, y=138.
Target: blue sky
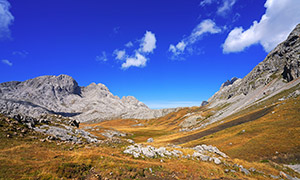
x=165, y=53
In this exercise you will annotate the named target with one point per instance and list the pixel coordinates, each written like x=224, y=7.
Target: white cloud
x=120, y=54
x=148, y=43
x=225, y=7
x=206, y=2
x=181, y=46
x=22, y=54
x=129, y=44
x=178, y=49
x=138, y=61
x=7, y=62
x=6, y=19
x=274, y=26
x=139, y=56
x=102, y=57
x=206, y=26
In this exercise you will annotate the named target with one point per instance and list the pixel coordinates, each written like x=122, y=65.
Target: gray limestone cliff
x=61, y=95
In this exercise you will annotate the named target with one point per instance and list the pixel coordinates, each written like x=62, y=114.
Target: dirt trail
x=247, y=118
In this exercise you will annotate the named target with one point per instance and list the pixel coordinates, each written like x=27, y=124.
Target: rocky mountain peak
x=229, y=82
x=99, y=86
x=62, y=95
x=295, y=32
x=62, y=84
x=132, y=100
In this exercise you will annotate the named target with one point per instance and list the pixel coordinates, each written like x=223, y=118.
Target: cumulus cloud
x=274, y=26
x=7, y=62
x=138, y=61
x=206, y=26
x=139, y=56
x=120, y=54
x=102, y=57
x=129, y=44
x=148, y=42
x=6, y=19
x=225, y=7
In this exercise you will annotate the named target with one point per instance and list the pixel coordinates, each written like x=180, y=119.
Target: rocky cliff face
x=280, y=70
x=62, y=95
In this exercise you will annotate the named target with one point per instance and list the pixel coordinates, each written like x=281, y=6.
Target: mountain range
x=62, y=95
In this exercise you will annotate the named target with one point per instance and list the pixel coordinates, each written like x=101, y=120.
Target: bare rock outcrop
x=61, y=95
x=279, y=71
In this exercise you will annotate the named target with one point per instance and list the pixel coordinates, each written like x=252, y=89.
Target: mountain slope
x=62, y=95
x=279, y=71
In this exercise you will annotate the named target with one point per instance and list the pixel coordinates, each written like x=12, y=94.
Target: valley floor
x=261, y=138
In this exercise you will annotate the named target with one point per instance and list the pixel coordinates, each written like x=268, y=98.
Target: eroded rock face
x=279, y=71
x=282, y=62
x=61, y=95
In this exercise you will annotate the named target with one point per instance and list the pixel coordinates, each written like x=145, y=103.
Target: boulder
x=150, y=140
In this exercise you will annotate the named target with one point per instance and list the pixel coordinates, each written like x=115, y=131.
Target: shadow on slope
x=247, y=118
x=27, y=103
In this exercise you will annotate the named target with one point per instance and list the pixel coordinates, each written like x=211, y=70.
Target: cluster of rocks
x=291, y=95
x=252, y=170
x=112, y=133
x=67, y=133
x=201, y=152
x=191, y=120
x=13, y=128
x=56, y=127
x=138, y=150
x=30, y=122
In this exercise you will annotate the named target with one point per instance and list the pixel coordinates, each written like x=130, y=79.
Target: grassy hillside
x=263, y=136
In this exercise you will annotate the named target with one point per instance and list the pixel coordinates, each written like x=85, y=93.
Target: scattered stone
x=130, y=141
x=295, y=167
x=74, y=122
x=274, y=177
x=210, y=148
x=286, y=176
x=150, y=140
x=244, y=170
x=112, y=133
x=252, y=169
x=217, y=161
x=138, y=125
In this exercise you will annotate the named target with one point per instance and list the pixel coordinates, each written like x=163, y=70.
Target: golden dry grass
x=272, y=137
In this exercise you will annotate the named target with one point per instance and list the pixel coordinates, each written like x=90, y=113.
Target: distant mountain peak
x=62, y=95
